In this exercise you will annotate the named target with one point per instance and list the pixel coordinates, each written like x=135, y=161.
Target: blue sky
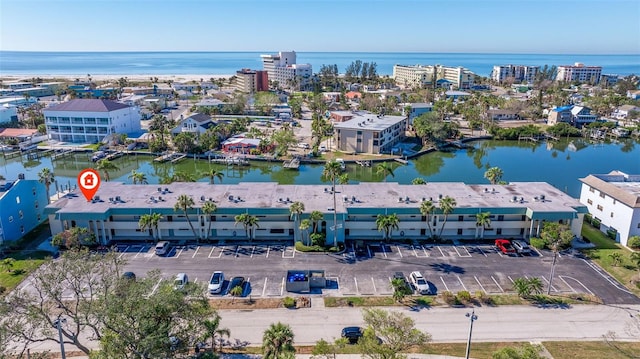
x=482, y=26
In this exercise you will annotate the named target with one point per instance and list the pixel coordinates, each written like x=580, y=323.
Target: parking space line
x=480, y=284
x=196, y=252
x=140, y=251
x=481, y=251
x=441, y=253
x=460, y=280
x=212, y=249
x=179, y=252
x=466, y=250
x=282, y=287
x=356, y=281
x=496, y=282
x=293, y=252
x=369, y=251
x=237, y=249
x=383, y=250
x=445, y=284
x=268, y=250
x=123, y=252
x=537, y=251
x=253, y=251
x=265, y=286
x=375, y=290
x=399, y=252
x=549, y=284
x=511, y=279
x=579, y=282
x=568, y=285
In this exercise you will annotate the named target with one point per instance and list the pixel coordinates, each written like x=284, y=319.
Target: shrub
x=464, y=296
x=449, y=298
x=595, y=223
x=634, y=242
x=289, y=302
x=538, y=243
x=484, y=298
x=2, y=290
x=588, y=218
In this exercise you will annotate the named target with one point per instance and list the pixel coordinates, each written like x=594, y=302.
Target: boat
x=343, y=166
x=6, y=148
x=293, y=164
x=98, y=156
x=27, y=148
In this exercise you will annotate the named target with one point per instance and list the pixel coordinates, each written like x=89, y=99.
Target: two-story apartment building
x=614, y=200
x=370, y=133
x=517, y=210
x=90, y=120
x=22, y=205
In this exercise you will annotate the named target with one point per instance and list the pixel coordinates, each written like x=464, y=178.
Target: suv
x=521, y=246
x=353, y=334
x=162, y=248
x=419, y=283
x=215, y=283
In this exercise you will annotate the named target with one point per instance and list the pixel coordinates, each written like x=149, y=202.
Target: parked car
x=322, y=148
x=304, y=145
x=505, y=246
x=236, y=282
x=353, y=334
x=129, y=276
x=419, y=283
x=521, y=247
x=215, y=283
x=162, y=248
x=181, y=281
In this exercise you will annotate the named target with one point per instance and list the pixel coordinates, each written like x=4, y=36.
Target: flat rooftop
x=365, y=195
x=370, y=122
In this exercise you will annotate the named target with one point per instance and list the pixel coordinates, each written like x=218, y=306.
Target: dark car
x=129, y=276
x=236, y=282
x=353, y=334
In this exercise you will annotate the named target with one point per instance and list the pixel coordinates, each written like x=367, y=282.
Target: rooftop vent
x=486, y=190
x=542, y=198
x=202, y=198
x=159, y=189
x=399, y=199
x=230, y=198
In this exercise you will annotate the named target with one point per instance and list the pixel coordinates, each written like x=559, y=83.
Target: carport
x=299, y=281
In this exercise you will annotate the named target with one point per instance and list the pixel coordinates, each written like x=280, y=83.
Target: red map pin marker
x=89, y=181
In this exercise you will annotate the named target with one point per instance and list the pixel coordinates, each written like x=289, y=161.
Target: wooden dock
x=114, y=155
x=404, y=162
x=59, y=155
x=173, y=157
x=293, y=164
x=364, y=163
x=231, y=161
x=179, y=157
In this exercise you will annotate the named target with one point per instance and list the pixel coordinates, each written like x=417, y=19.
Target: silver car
x=521, y=246
x=215, y=283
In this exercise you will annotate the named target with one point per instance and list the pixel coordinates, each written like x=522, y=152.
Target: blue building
x=22, y=205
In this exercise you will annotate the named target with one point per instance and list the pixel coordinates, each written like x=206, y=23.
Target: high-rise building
x=579, y=72
x=283, y=69
x=425, y=75
x=252, y=80
x=519, y=73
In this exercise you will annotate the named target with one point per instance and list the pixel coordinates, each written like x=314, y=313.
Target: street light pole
x=472, y=318
x=58, y=323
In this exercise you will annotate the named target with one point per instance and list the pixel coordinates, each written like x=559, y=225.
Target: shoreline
x=139, y=77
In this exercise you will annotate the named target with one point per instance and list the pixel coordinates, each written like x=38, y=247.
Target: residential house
x=613, y=200
x=500, y=114
x=239, y=144
x=634, y=95
x=456, y=95
x=622, y=112
x=197, y=123
x=353, y=96
x=518, y=210
x=22, y=205
x=370, y=133
x=90, y=120
x=577, y=116
x=8, y=113
x=413, y=110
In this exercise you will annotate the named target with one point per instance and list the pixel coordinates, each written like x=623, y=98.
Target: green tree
x=184, y=203
x=616, y=258
x=106, y=166
x=160, y=126
x=138, y=177
x=384, y=169
x=483, y=221
x=523, y=351
x=389, y=334
x=558, y=237
x=635, y=259
x=46, y=177
x=8, y=264
x=296, y=209
x=74, y=238
x=277, y=342
x=248, y=222
x=209, y=208
x=305, y=224
x=331, y=172
x=213, y=174
x=494, y=175
x=418, y=181
x=426, y=209
x=213, y=331
x=386, y=224
x=150, y=221
x=185, y=142
x=447, y=205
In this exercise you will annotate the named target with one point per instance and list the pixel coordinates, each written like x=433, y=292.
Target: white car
x=304, y=145
x=215, y=283
x=322, y=148
x=521, y=246
x=419, y=283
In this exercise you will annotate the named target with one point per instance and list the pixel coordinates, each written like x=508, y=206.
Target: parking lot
x=369, y=271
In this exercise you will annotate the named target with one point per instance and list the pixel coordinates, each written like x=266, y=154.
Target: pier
x=173, y=157
x=364, y=163
x=231, y=161
x=63, y=154
x=400, y=160
x=294, y=163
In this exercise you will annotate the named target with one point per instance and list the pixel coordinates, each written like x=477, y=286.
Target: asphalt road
x=446, y=267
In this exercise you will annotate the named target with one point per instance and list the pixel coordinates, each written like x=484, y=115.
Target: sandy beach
x=112, y=77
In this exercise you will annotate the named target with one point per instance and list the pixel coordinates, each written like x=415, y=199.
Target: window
x=501, y=217
x=611, y=214
x=460, y=218
x=21, y=214
x=614, y=201
x=591, y=189
x=33, y=190
x=601, y=194
x=37, y=204
x=589, y=201
x=38, y=219
x=599, y=207
x=10, y=219
x=498, y=230
x=21, y=229
x=277, y=230
x=18, y=199
x=459, y=230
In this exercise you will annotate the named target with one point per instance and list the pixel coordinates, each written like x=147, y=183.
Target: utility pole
x=58, y=323
x=472, y=318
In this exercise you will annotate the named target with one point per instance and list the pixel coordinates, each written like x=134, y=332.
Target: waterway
x=561, y=163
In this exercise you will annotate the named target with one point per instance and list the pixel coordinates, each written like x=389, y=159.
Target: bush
x=464, y=296
x=2, y=290
x=289, y=302
x=449, y=298
x=634, y=242
x=484, y=298
x=595, y=223
x=538, y=243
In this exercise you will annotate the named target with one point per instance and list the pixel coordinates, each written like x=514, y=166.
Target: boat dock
x=404, y=162
x=231, y=161
x=180, y=157
x=114, y=155
x=294, y=163
x=63, y=154
x=364, y=163
x=172, y=156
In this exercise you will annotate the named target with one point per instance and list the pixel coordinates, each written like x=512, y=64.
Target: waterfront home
x=197, y=123
x=613, y=200
x=367, y=132
x=240, y=144
x=577, y=116
x=8, y=113
x=499, y=114
x=90, y=120
x=517, y=210
x=22, y=205
x=622, y=112
x=415, y=109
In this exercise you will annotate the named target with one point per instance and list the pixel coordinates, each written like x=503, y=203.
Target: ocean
x=227, y=63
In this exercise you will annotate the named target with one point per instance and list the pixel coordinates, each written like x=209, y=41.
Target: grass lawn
x=25, y=263
x=625, y=271
x=599, y=349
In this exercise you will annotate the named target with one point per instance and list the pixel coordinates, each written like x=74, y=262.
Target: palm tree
x=616, y=258
x=447, y=204
x=635, y=258
x=208, y=208
x=305, y=224
x=138, y=177
x=385, y=170
x=483, y=219
x=105, y=166
x=315, y=217
x=46, y=177
x=332, y=172
x=248, y=222
x=213, y=330
x=296, y=210
x=180, y=176
x=387, y=223
x=277, y=342
x=427, y=208
x=494, y=175
x=213, y=174
x=185, y=203
x=150, y=222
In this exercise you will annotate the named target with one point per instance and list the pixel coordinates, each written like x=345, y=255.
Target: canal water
x=561, y=163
